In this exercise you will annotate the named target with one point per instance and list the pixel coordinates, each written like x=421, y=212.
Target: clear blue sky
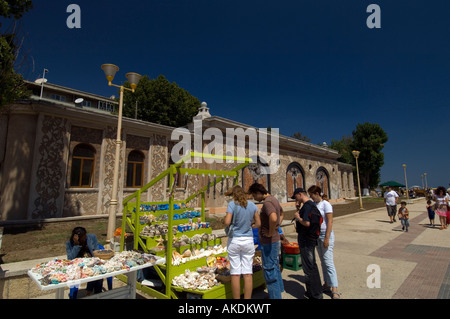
x=311, y=66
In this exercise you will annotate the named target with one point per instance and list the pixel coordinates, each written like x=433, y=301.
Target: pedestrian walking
x=430, y=211
x=390, y=200
x=308, y=222
x=240, y=247
x=271, y=217
x=448, y=205
x=441, y=205
x=403, y=215
x=325, y=242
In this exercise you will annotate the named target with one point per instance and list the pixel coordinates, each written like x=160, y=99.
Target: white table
x=126, y=292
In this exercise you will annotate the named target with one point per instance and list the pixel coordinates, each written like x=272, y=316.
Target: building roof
x=287, y=143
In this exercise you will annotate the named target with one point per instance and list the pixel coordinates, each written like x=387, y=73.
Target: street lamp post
x=356, y=155
x=426, y=182
x=110, y=71
x=406, y=184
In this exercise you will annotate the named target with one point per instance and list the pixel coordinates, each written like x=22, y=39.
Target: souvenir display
x=163, y=228
x=257, y=264
x=61, y=270
x=147, y=219
x=197, y=255
x=155, y=230
x=189, y=255
x=154, y=208
x=221, y=264
x=194, y=280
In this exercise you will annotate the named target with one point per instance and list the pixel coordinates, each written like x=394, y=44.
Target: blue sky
x=306, y=65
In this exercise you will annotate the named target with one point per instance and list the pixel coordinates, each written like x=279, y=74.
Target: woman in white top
x=325, y=243
x=240, y=246
x=441, y=205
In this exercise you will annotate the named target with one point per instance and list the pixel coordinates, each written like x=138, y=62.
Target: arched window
x=256, y=172
x=135, y=169
x=323, y=181
x=82, y=171
x=295, y=177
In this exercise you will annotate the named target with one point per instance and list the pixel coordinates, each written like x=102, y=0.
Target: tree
x=14, y=8
x=301, y=137
x=11, y=84
x=162, y=102
x=344, y=148
x=369, y=140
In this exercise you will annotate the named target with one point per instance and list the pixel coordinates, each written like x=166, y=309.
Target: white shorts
x=240, y=254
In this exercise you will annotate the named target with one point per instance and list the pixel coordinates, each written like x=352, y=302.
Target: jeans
x=326, y=258
x=405, y=222
x=310, y=269
x=271, y=270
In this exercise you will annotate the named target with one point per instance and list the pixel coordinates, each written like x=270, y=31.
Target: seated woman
x=82, y=245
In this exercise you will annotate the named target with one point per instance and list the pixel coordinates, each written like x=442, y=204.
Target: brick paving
x=430, y=279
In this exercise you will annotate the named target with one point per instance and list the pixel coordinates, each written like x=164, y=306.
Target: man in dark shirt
x=308, y=220
x=271, y=217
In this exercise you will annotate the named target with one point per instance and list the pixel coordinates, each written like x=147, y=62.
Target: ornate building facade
x=57, y=155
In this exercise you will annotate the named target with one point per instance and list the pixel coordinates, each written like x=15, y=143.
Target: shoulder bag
x=230, y=229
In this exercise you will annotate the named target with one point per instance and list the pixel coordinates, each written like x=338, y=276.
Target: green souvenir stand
x=136, y=217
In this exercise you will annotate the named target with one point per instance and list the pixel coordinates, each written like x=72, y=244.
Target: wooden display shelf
x=132, y=212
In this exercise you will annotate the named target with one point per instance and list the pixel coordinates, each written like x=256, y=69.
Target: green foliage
x=344, y=148
x=369, y=140
x=162, y=102
x=14, y=8
x=301, y=137
x=12, y=86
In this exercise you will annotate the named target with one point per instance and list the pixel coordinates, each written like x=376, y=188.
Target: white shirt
x=441, y=200
x=390, y=198
x=324, y=208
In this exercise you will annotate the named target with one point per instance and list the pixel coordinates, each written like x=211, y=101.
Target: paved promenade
x=412, y=264
x=408, y=265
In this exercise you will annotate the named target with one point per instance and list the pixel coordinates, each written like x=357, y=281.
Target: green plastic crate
x=292, y=262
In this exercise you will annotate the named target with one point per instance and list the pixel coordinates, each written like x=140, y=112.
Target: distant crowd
x=437, y=204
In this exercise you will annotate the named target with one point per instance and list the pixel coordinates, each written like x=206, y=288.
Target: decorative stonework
x=80, y=204
x=50, y=172
x=109, y=150
x=159, y=162
x=138, y=142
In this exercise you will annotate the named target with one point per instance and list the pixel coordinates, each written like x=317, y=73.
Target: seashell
x=160, y=242
x=187, y=253
x=176, y=255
